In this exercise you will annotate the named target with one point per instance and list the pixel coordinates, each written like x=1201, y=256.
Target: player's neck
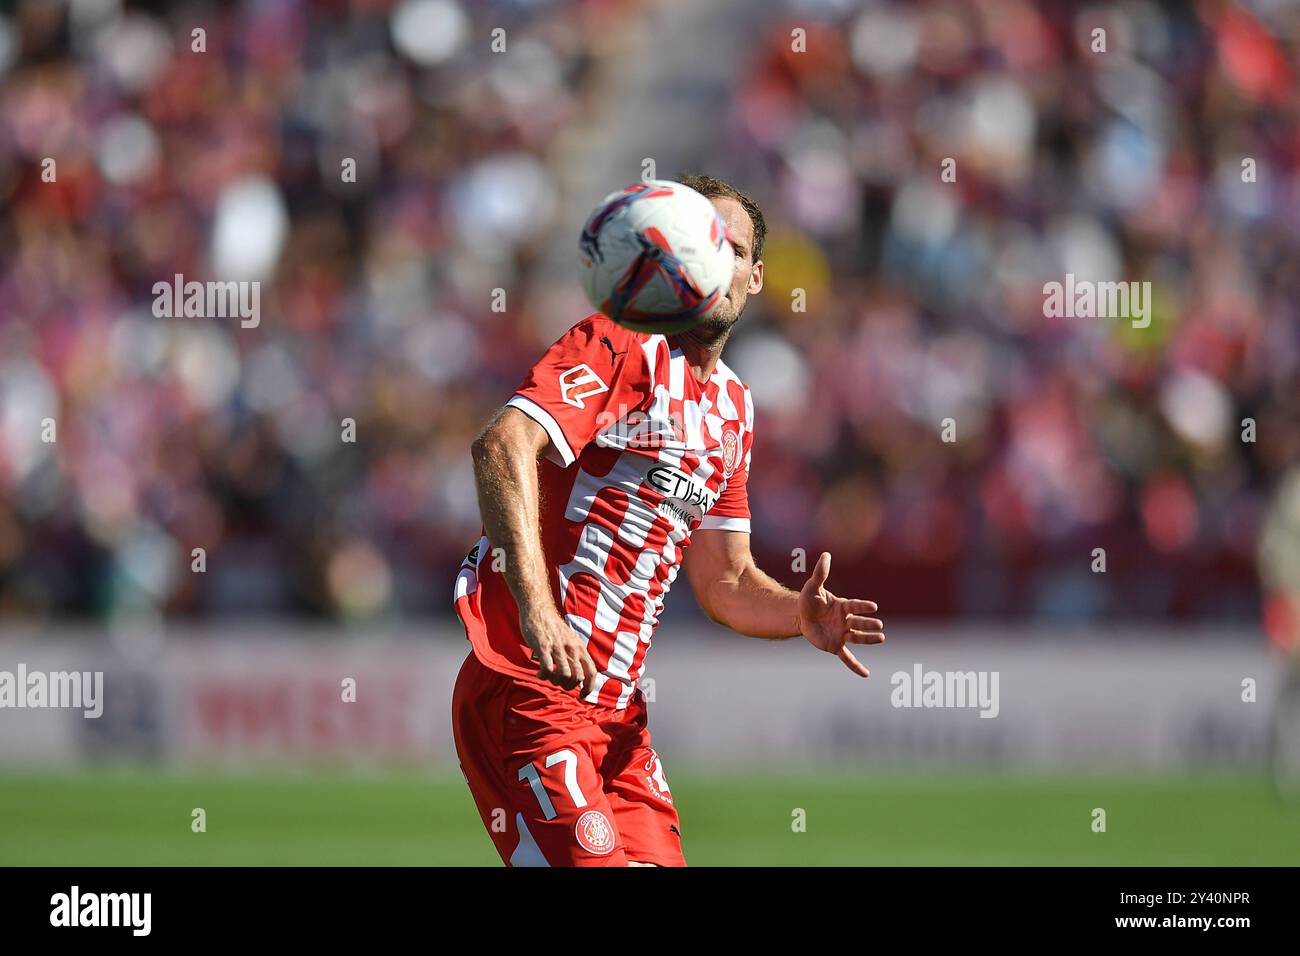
x=702, y=350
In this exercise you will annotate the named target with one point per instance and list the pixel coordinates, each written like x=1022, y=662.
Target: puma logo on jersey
x=604, y=340
x=579, y=383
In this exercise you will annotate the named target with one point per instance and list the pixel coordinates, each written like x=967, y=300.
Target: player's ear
x=756, y=278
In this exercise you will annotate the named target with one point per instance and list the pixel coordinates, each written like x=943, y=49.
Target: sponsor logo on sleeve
x=579, y=383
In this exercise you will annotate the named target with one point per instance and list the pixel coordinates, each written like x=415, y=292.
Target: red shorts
x=559, y=782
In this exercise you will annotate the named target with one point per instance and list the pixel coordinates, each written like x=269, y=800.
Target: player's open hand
x=559, y=652
x=832, y=623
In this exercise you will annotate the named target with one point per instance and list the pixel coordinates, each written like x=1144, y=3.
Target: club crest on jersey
x=579, y=383
x=730, y=452
x=594, y=833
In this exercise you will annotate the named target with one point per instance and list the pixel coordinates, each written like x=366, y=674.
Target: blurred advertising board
x=1049, y=700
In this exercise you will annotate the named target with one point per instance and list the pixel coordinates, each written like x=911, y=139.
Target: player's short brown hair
x=710, y=187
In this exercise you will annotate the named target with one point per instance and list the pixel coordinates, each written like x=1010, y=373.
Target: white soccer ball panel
x=655, y=257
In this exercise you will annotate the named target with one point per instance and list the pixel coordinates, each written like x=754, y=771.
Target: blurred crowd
x=381, y=168
x=1130, y=141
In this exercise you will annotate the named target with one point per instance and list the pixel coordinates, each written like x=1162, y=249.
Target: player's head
x=747, y=230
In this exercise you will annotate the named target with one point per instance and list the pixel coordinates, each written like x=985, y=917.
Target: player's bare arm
x=733, y=591
x=505, y=475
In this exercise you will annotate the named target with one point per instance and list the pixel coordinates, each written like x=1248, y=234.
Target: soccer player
x=621, y=457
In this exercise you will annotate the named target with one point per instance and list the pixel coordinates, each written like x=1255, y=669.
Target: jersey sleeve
x=731, y=511
x=593, y=375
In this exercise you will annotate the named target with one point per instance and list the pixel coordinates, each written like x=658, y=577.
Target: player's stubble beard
x=712, y=334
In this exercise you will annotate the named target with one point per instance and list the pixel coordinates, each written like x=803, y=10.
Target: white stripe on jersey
x=580, y=625
x=726, y=407
x=620, y=661
x=711, y=523
x=677, y=374
x=596, y=685
x=694, y=423
x=651, y=348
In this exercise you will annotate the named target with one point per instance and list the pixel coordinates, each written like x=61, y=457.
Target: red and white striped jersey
x=641, y=455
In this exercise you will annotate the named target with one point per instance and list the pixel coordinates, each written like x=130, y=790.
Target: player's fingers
x=572, y=675
x=561, y=674
x=545, y=663
x=860, y=623
x=860, y=606
x=822, y=571
x=865, y=637
x=852, y=663
x=589, y=673
x=577, y=666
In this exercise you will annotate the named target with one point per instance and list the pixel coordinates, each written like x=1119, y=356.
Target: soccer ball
x=655, y=257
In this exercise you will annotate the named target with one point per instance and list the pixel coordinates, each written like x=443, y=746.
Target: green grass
x=140, y=817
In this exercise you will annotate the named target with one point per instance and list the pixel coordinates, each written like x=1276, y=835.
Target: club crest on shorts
x=594, y=833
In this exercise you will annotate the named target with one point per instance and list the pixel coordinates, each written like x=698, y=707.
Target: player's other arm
x=736, y=593
x=505, y=474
